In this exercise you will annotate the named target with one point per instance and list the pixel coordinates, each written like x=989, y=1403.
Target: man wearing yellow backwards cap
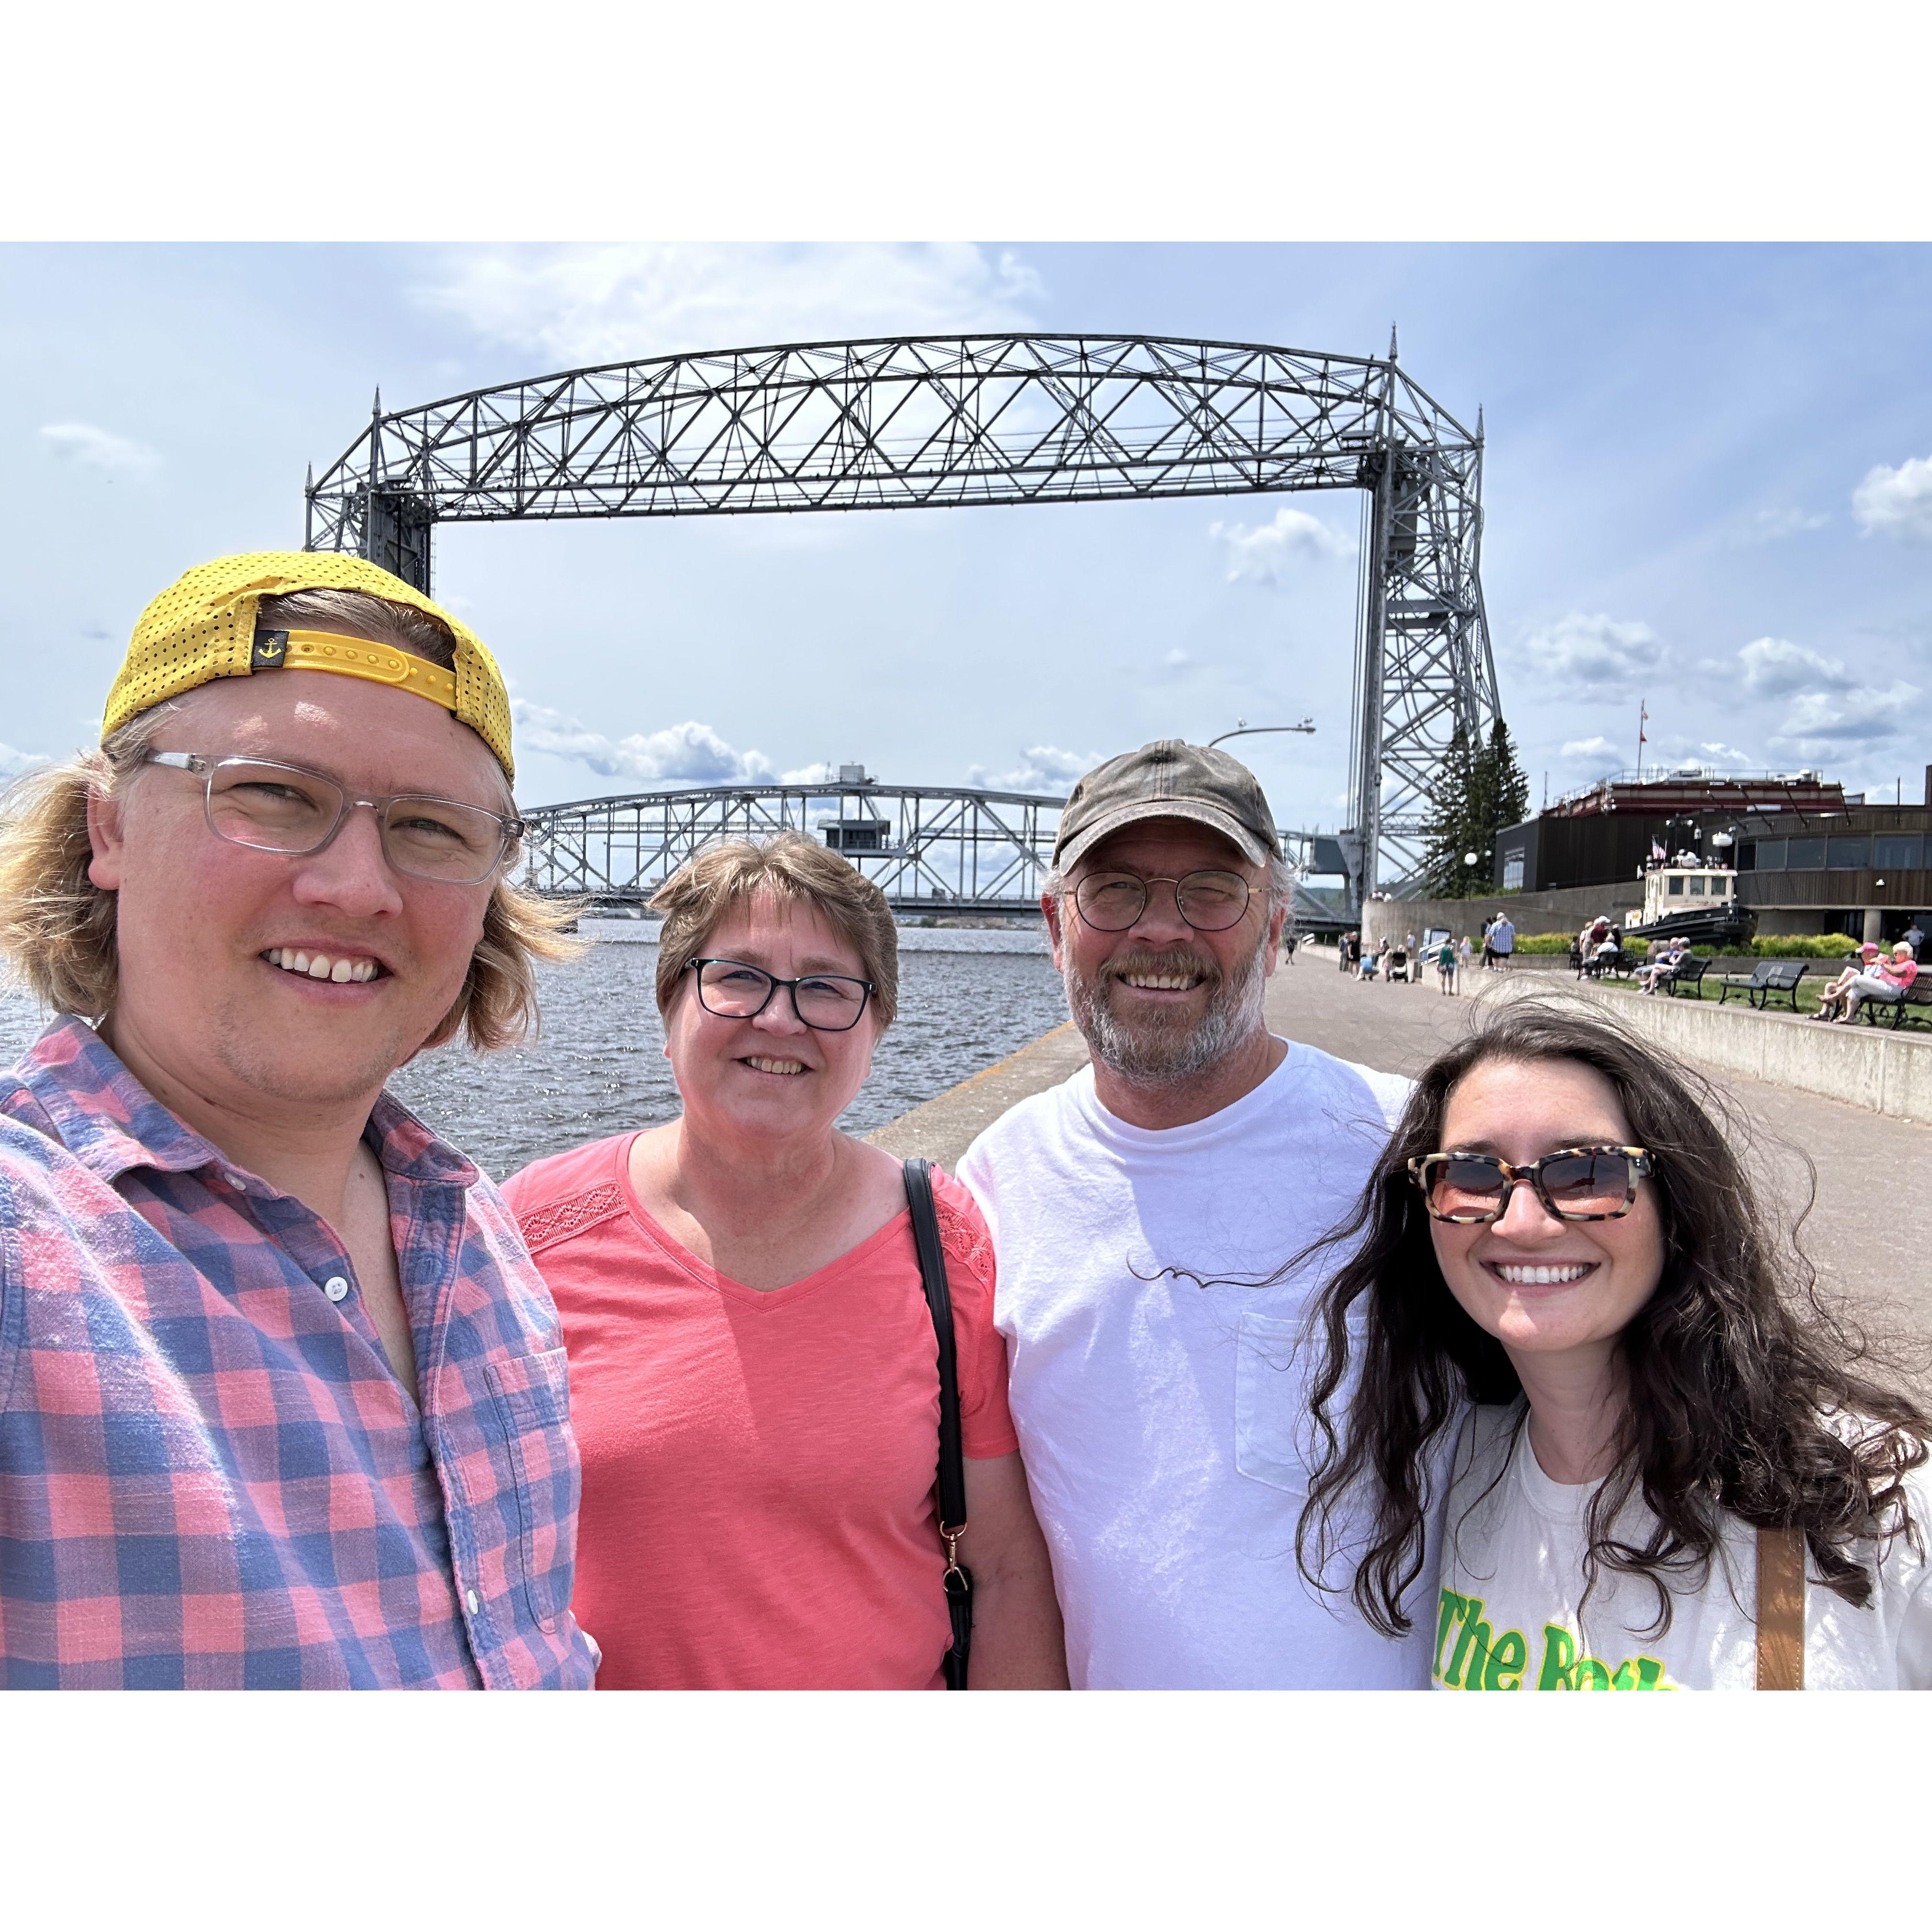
x=282, y=1399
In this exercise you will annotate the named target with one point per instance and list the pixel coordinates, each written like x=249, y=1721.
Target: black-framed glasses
x=825, y=1002
x=1209, y=901
x=272, y=807
x=1581, y=1183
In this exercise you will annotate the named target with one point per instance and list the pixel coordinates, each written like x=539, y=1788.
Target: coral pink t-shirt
x=758, y=1468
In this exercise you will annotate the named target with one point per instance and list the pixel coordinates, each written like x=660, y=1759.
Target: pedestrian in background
x=1445, y=965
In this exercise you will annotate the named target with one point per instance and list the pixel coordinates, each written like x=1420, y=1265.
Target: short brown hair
x=57, y=926
x=794, y=870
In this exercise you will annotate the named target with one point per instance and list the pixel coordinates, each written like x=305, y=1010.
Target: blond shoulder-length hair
x=795, y=871
x=57, y=926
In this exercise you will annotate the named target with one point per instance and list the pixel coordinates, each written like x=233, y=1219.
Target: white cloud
x=1896, y=503
x=1775, y=526
x=687, y=754
x=1579, y=649
x=101, y=449
x=1775, y=668
x=1820, y=723
x=13, y=763
x=1726, y=754
x=1594, y=749
x=1042, y=768
x=1260, y=554
x=576, y=304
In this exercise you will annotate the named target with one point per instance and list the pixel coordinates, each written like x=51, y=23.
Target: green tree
x=1483, y=789
x=1445, y=830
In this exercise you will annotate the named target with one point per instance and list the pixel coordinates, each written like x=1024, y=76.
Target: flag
x=1657, y=852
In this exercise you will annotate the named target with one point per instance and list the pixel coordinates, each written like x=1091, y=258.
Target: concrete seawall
x=1885, y=1071
x=944, y=1127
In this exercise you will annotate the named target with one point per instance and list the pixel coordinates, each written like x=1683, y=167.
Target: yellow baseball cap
x=202, y=627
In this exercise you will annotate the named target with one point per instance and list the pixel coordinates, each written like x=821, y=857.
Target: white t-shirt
x=1512, y=1573
x=1163, y=1424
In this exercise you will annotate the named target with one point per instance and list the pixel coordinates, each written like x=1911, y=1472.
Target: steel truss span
x=930, y=850
x=922, y=421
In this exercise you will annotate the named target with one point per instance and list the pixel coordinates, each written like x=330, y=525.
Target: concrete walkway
x=1871, y=1225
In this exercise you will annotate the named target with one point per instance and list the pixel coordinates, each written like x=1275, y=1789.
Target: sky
x=1707, y=488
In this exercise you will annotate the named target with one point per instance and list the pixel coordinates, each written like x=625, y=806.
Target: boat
x=1686, y=897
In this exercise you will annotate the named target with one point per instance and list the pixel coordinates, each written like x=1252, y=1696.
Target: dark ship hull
x=1730, y=924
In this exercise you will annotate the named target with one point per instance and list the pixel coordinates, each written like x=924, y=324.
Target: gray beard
x=1160, y=1052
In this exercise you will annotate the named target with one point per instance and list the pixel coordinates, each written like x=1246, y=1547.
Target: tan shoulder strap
x=1781, y=1609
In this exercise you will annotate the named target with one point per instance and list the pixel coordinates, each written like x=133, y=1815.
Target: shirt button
x=335, y=1288
x=475, y=1602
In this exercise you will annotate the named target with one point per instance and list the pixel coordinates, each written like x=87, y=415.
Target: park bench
x=1688, y=974
x=1915, y=1005
x=1778, y=976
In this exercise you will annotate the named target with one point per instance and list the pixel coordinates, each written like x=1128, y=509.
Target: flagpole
x=1642, y=719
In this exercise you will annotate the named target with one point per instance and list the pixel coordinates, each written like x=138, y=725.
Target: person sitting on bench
x=1651, y=977
x=1831, y=1000
x=1887, y=985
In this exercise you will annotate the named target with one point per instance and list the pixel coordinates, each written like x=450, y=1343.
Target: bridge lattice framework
x=921, y=421
x=931, y=849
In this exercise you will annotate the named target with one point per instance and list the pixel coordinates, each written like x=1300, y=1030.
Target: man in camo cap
x=1162, y=1415
x=284, y=1399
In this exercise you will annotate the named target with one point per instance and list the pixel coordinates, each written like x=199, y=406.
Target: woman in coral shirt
x=752, y=1365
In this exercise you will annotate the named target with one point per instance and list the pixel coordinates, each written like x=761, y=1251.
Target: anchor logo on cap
x=271, y=650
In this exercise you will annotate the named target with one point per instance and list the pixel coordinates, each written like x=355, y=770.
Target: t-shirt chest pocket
x=1275, y=1359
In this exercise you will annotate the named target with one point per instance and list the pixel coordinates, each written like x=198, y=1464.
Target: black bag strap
x=951, y=1483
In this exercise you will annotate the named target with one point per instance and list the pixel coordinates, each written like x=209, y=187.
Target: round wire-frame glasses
x=1210, y=901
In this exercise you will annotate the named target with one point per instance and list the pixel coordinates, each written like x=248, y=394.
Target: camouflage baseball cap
x=1169, y=779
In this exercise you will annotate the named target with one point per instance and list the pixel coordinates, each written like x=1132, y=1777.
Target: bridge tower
x=906, y=422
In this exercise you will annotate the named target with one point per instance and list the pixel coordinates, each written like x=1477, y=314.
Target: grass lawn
x=1809, y=988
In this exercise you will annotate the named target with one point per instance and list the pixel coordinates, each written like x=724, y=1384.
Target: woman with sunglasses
x=752, y=1360
x=1562, y=1288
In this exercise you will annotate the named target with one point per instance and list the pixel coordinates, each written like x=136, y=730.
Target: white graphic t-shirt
x=1165, y=1424
x=1507, y=1616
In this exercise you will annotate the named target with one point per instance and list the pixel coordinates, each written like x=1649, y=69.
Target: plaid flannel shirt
x=209, y=1476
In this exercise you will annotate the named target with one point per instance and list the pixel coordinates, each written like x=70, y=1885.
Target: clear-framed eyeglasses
x=271, y=807
x=825, y=1002
x=1209, y=902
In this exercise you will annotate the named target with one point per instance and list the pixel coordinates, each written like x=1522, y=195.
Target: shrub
x=1543, y=942
x=1804, y=945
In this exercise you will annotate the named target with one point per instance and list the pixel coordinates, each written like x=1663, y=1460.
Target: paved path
x=1872, y=1222
x=1873, y=1218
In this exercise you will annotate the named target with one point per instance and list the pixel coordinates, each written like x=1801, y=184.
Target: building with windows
x=1866, y=870
x=1605, y=833
x=1809, y=858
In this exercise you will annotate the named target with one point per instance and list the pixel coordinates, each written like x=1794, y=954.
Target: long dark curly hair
x=1749, y=1396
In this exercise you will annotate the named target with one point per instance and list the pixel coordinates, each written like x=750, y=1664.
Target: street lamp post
x=1243, y=729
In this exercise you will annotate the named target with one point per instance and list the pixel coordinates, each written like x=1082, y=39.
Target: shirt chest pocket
x=1275, y=1360
x=532, y=1397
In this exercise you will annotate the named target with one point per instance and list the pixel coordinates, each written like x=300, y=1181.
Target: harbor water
x=597, y=1066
